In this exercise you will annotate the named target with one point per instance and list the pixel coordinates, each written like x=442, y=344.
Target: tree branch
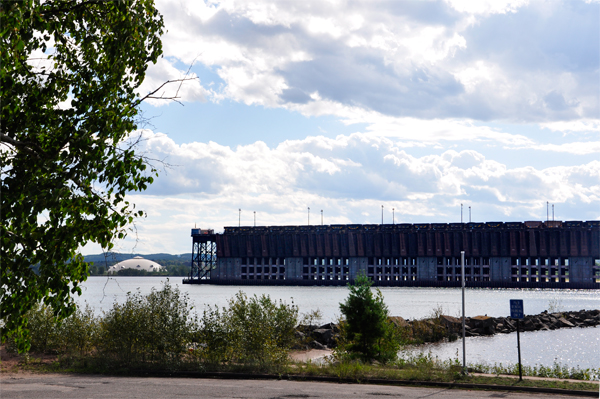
x=174, y=98
x=27, y=146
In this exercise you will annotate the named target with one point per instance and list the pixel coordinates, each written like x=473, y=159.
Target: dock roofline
x=412, y=226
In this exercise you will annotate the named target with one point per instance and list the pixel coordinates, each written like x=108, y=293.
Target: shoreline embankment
x=438, y=328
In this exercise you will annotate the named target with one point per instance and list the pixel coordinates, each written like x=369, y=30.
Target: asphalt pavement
x=50, y=386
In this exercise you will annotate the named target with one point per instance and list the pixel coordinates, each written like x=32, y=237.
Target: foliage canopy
x=68, y=81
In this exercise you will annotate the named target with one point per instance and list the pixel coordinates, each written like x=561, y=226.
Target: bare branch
x=173, y=98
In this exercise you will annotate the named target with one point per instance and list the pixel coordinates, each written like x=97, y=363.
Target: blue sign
x=516, y=308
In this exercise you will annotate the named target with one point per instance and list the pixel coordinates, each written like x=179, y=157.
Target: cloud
x=357, y=167
x=494, y=60
x=349, y=178
x=487, y=6
x=490, y=104
x=582, y=125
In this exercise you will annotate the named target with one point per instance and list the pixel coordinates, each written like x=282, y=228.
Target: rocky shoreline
x=447, y=327
x=484, y=325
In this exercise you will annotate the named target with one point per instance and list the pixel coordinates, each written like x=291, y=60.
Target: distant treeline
x=175, y=265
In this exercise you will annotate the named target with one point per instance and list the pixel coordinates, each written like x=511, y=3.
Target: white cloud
x=583, y=125
x=425, y=83
x=499, y=60
x=579, y=148
x=349, y=177
x=487, y=6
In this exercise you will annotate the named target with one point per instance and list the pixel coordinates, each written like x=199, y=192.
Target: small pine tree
x=368, y=332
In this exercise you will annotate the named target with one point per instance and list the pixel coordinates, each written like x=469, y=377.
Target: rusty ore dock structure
x=551, y=254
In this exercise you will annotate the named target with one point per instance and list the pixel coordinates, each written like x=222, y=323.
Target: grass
x=425, y=371
x=420, y=368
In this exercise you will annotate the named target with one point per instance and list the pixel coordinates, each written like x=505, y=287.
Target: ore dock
x=535, y=254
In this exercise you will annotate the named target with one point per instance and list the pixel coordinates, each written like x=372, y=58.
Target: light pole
x=321, y=217
x=381, y=214
x=462, y=283
x=239, y=217
x=309, y=215
x=461, y=209
x=393, y=216
x=469, y=214
x=254, y=218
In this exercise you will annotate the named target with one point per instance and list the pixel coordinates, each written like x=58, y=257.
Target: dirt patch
x=312, y=355
x=12, y=363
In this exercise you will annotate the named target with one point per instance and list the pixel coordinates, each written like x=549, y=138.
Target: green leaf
x=65, y=183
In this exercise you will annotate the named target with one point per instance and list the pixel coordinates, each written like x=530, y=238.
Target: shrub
x=252, y=330
x=79, y=332
x=43, y=329
x=151, y=328
x=366, y=331
x=75, y=334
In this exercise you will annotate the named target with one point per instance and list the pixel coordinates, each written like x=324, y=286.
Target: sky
x=346, y=107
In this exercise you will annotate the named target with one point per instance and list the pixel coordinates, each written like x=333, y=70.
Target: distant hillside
x=114, y=257
x=176, y=265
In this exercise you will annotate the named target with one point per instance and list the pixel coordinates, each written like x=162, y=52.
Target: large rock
x=483, y=325
x=316, y=345
x=453, y=324
x=306, y=328
x=330, y=326
x=510, y=324
x=527, y=325
x=323, y=336
x=565, y=323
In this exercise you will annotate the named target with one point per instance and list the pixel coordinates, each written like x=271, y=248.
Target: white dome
x=137, y=263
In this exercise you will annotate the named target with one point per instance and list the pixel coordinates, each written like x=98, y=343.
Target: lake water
x=572, y=347
x=569, y=346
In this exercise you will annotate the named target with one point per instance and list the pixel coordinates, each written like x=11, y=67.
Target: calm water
x=408, y=302
x=569, y=346
x=572, y=347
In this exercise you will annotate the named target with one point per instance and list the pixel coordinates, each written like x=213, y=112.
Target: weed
x=555, y=305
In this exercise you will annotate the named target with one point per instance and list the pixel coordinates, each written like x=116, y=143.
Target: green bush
x=43, y=329
x=252, y=330
x=79, y=332
x=75, y=334
x=153, y=328
x=159, y=329
x=366, y=332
